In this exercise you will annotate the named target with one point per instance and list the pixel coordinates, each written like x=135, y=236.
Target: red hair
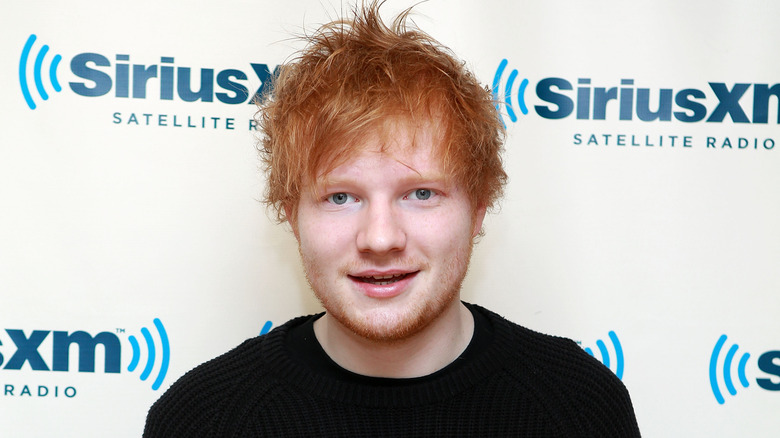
x=355, y=75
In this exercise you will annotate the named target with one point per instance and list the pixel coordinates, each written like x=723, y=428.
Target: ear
x=290, y=216
x=479, y=216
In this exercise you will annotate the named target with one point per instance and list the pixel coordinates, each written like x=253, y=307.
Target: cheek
x=320, y=237
x=443, y=232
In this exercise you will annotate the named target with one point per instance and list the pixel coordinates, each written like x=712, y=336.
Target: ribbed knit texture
x=524, y=384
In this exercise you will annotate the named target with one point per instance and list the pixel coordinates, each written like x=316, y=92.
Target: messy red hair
x=353, y=76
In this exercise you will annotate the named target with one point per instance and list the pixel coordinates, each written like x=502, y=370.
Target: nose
x=381, y=230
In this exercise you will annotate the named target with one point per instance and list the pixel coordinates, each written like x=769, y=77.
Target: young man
x=382, y=152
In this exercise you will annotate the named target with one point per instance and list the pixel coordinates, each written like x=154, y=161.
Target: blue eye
x=339, y=198
x=421, y=194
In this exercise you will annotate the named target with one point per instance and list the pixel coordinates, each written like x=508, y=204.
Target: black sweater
x=520, y=383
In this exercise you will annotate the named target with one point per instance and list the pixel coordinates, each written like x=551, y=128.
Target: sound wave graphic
x=37, y=72
x=727, y=369
x=151, y=354
x=507, y=96
x=266, y=328
x=605, y=358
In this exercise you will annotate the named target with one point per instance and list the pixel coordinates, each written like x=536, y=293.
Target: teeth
x=382, y=280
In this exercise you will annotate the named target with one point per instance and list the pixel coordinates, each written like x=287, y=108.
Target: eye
x=420, y=194
x=340, y=198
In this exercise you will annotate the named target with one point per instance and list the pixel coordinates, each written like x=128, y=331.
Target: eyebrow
x=411, y=180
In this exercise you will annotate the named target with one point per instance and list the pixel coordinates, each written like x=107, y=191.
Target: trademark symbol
x=120, y=330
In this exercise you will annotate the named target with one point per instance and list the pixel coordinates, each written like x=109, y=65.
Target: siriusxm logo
x=589, y=102
x=99, y=76
x=507, y=98
x=769, y=363
x=37, y=72
x=266, y=328
x=606, y=357
x=28, y=351
x=151, y=354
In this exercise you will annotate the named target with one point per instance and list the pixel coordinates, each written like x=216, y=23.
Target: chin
x=387, y=325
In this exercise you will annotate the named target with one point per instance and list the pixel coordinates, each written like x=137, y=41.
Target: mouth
x=382, y=280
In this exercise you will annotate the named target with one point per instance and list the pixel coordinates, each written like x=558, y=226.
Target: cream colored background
x=106, y=226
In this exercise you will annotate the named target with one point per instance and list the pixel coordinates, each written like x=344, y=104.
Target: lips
x=383, y=284
x=381, y=280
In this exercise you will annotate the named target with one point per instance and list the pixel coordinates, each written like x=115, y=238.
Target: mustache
x=405, y=263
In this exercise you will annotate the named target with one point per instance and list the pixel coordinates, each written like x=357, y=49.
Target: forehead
x=413, y=147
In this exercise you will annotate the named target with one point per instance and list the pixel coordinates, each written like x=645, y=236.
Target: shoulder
x=572, y=385
x=192, y=405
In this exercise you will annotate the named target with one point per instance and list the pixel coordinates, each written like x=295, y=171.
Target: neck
x=423, y=353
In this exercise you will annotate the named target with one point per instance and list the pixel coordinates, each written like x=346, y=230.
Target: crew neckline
x=374, y=391
x=305, y=349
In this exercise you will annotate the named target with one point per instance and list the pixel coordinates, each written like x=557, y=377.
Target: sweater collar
x=341, y=385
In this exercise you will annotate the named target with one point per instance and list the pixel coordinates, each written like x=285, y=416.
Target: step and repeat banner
x=643, y=148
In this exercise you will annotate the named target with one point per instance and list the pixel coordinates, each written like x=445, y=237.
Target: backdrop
x=640, y=218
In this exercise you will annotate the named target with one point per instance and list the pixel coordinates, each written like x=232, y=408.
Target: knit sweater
x=521, y=384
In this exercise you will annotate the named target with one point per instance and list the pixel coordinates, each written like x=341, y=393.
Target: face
x=386, y=238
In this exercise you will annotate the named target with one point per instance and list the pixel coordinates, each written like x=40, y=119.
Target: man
x=382, y=152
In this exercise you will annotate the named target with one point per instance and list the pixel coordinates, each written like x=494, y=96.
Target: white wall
x=106, y=226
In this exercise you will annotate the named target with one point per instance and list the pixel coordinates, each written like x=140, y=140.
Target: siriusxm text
x=28, y=350
x=769, y=363
x=629, y=103
x=164, y=80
